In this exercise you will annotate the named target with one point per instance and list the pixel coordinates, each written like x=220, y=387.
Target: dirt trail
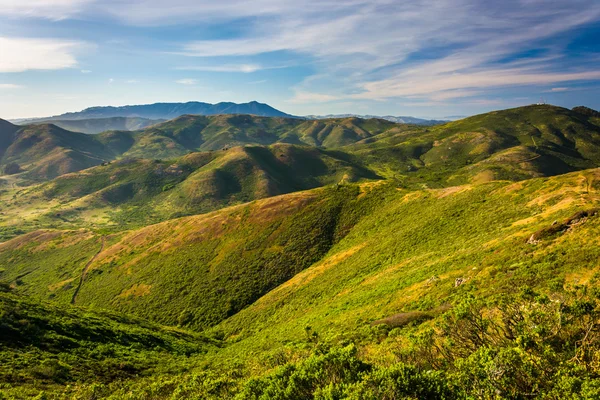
x=85, y=270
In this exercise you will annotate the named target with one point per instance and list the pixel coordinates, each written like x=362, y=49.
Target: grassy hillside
x=47, y=346
x=192, y=133
x=47, y=151
x=388, y=234
x=511, y=144
x=7, y=131
x=135, y=192
x=471, y=272
x=230, y=258
x=391, y=270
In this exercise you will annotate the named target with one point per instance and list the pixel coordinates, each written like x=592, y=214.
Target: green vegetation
x=296, y=272
x=514, y=144
x=43, y=345
x=46, y=151
x=136, y=192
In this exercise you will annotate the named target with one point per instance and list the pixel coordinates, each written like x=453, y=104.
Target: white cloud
x=9, y=86
x=558, y=89
x=132, y=81
x=245, y=68
x=48, y=9
x=369, y=46
x=453, y=94
x=86, y=71
x=23, y=54
x=111, y=80
x=422, y=83
x=187, y=81
x=308, y=97
x=145, y=12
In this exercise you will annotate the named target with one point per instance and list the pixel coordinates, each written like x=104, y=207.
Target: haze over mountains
x=399, y=120
x=98, y=125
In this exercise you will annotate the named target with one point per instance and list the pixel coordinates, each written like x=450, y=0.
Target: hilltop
x=195, y=164
x=520, y=143
x=47, y=151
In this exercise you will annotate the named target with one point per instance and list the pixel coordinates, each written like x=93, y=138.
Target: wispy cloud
x=187, y=81
x=9, y=86
x=245, y=68
x=441, y=86
x=47, y=9
x=23, y=54
x=436, y=49
x=86, y=71
x=308, y=97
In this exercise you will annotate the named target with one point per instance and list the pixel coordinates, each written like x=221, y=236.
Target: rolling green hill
x=376, y=221
x=511, y=144
x=45, y=151
x=447, y=262
x=7, y=132
x=135, y=192
x=193, y=133
x=369, y=264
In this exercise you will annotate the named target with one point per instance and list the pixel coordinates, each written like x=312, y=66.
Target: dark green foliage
x=12, y=168
x=556, y=227
x=315, y=374
x=588, y=112
x=42, y=344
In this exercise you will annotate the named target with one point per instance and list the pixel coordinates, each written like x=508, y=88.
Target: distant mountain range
x=135, y=117
x=164, y=111
x=398, y=120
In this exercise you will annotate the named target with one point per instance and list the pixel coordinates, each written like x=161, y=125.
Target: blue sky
x=426, y=58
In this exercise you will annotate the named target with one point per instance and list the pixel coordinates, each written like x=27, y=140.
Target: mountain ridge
x=166, y=111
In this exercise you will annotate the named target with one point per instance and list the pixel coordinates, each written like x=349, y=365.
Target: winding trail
x=85, y=270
